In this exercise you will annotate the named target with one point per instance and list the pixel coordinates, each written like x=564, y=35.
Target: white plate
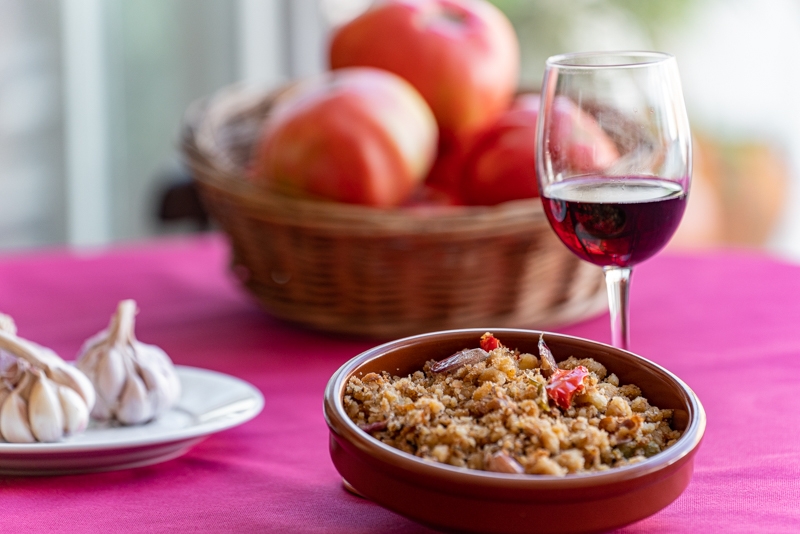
x=210, y=402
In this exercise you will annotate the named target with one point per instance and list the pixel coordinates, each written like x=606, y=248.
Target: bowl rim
x=340, y=424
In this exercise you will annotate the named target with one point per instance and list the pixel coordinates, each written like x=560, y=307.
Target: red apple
x=358, y=135
x=501, y=162
x=578, y=142
x=461, y=55
x=445, y=174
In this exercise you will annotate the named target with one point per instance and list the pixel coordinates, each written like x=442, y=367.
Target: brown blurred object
x=179, y=200
x=737, y=195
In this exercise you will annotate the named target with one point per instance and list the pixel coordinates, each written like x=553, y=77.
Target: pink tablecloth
x=727, y=323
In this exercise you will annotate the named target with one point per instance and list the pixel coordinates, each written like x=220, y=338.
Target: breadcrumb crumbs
x=495, y=415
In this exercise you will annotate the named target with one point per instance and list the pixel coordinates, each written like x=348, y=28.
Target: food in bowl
x=494, y=408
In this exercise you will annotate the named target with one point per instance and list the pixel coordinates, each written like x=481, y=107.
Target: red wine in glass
x=614, y=221
x=613, y=161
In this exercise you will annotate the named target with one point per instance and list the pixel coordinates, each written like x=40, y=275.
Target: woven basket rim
x=214, y=169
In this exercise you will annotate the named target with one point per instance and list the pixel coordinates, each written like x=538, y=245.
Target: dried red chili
x=489, y=342
x=563, y=385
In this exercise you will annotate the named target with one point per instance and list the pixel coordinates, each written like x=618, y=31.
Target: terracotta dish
x=463, y=500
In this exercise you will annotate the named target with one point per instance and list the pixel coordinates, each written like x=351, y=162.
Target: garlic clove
x=134, y=405
x=102, y=411
x=155, y=368
x=73, y=378
x=110, y=374
x=45, y=414
x=157, y=389
x=76, y=413
x=14, y=420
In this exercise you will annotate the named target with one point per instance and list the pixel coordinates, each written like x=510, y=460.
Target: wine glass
x=613, y=161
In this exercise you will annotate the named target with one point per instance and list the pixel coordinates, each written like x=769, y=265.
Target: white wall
x=741, y=77
x=31, y=164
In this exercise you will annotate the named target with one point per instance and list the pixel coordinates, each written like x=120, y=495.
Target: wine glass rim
x=614, y=59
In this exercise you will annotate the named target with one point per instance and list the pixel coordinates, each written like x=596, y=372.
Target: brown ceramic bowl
x=463, y=500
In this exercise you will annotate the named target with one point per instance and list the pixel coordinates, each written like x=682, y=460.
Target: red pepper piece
x=489, y=342
x=563, y=385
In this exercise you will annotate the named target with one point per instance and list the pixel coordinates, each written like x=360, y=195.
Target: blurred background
x=92, y=94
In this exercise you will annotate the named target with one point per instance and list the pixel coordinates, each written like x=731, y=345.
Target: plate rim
x=198, y=430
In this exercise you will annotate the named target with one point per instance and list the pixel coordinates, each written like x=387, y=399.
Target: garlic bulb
x=135, y=382
x=42, y=398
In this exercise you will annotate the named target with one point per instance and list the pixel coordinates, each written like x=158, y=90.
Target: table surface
x=728, y=323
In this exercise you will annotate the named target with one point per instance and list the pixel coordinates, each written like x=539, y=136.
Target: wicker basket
x=380, y=273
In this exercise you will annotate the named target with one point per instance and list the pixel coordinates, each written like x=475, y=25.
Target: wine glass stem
x=618, y=280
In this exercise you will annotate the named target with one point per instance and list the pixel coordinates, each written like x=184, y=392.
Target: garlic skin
x=14, y=420
x=42, y=398
x=135, y=382
x=76, y=413
x=44, y=410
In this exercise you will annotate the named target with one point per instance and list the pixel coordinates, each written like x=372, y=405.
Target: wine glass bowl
x=614, y=161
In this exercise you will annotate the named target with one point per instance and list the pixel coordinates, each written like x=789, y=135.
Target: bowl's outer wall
x=453, y=511
x=493, y=512
x=513, y=504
